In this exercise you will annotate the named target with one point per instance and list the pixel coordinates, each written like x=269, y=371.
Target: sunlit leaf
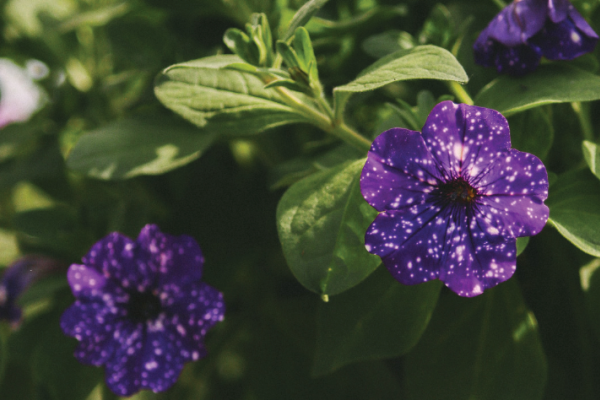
x=554, y=83
x=322, y=221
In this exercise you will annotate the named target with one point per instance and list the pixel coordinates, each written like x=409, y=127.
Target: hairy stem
x=326, y=122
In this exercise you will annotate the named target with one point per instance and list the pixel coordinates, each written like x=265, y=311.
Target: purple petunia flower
x=17, y=278
x=526, y=30
x=142, y=310
x=453, y=199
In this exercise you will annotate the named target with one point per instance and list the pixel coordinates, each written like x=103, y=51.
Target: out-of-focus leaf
x=53, y=229
x=531, y=132
x=303, y=15
x=554, y=83
x=138, y=146
x=387, y=43
x=574, y=202
x=522, y=243
x=24, y=15
x=287, y=173
x=322, y=221
x=590, y=283
x=9, y=246
x=72, y=381
x=487, y=347
x=43, y=288
x=380, y=318
x=425, y=103
x=591, y=152
x=3, y=350
x=229, y=101
x=439, y=27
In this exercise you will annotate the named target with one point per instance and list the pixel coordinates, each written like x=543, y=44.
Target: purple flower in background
x=141, y=308
x=526, y=30
x=453, y=199
x=17, y=278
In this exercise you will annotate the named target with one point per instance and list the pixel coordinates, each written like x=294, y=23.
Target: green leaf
x=522, y=243
x=484, y=348
x=53, y=229
x=380, y=318
x=72, y=381
x=239, y=43
x=425, y=103
x=591, y=153
x=303, y=15
x=590, y=283
x=138, y=146
x=421, y=62
x=553, y=83
x=4, y=333
x=43, y=289
x=306, y=54
x=531, y=132
x=322, y=221
x=439, y=27
x=388, y=42
x=574, y=202
x=288, y=54
x=228, y=101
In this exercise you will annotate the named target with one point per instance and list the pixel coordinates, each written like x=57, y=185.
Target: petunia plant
x=395, y=200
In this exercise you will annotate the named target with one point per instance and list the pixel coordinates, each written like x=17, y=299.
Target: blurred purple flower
x=453, y=199
x=141, y=308
x=21, y=97
x=526, y=30
x=17, y=278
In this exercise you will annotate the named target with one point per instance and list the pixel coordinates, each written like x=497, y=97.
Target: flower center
x=458, y=191
x=143, y=306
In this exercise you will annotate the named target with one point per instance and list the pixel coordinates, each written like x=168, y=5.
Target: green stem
x=500, y=3
x=583, y=115
x=277, y=62
x=460, y=93
x=340, y=130
x=351, y=137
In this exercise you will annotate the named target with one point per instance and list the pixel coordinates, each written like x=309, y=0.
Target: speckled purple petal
x=484, y=49
x=399, y=170
x=193, y=310
x=518, y=60
x=581, y=23
x=93, y=324
x=465, y=139
x=427, y=243
x=517, y=22
x=120, y=259
x=476, y=262
x=513, y=191
x=177, y=259
x=122, y=369
x=410, y=242
x=564, y=40
x=559, y=9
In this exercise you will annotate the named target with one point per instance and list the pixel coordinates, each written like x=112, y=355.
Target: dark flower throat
x=457, y=191
x=143, y=306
